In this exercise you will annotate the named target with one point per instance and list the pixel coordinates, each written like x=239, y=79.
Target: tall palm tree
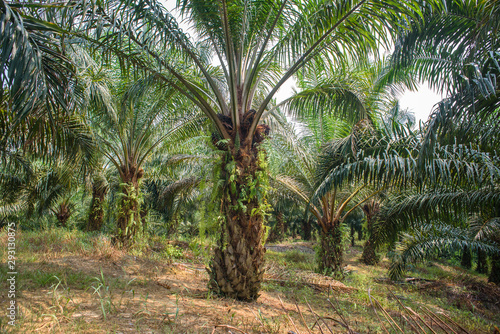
x=258, y=46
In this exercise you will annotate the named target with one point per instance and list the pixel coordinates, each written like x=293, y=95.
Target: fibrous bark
x=369, y=255
x=330, y=251
x=237, y=269
x=129, y=222
x=96, y=214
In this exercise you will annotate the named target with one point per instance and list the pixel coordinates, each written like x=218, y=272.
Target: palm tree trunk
x=306, y=228
x=278, y=231
x=129, y=222
x=330, y=252
x=96, y=214
x=352, y=235
x=466, y=261
x=495, y=269
x=482, y=266
x=237, y=268
x=369, y=255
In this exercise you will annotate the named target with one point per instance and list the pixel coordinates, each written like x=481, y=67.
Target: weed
x=60, y=299
x=104, y=293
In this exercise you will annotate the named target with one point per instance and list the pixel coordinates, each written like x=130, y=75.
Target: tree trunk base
x=237, y=276
x=466, y=261
x=482, y=265
x=237, y=268
x=330, y=253
x=369, y=255
x=495, y=269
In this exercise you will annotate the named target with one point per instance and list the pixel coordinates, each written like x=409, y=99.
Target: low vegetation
x=71, y=281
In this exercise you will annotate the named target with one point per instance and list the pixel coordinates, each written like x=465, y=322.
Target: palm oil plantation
x=246, y=166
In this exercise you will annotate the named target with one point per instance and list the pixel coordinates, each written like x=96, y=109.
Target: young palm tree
x=100, y=188
x=48, y=188
x=348, y=101
x=298, y=173
x=178, y=181
x=437, y=220
x=145, y=121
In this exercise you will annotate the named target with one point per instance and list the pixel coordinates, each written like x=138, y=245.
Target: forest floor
x=72, y=282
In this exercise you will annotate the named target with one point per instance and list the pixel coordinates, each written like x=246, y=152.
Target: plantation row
x=134, y=120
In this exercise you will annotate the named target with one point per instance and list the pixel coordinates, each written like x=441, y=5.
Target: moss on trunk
x=129, y=222
x=96, y=214
x=237, y=268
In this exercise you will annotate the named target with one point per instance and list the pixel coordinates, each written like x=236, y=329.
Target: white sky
x=420, y=102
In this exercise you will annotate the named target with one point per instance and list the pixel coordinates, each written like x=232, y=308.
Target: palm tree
x=258, y=46
x=455, y=49
x=140, y=121
x=297, y=175
x=371, y=210
x=460, y=57
x=437, y=220
x=349, y=100
x=178, y=182
x=36, y=74
x=47, y=188
x=100, y=188
x=37, y=103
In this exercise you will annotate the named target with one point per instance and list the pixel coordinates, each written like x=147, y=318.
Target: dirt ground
x=96, y=291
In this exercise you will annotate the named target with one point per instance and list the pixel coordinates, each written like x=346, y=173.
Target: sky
x=420, y=102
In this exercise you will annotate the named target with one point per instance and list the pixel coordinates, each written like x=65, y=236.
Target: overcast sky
x=420, y=102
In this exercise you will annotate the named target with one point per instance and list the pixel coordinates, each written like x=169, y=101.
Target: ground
x=72, y=282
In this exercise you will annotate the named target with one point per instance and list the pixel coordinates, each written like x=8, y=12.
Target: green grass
x=293, y=259
x=48, y=261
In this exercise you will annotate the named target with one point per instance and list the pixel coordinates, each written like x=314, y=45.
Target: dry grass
x=72, y=282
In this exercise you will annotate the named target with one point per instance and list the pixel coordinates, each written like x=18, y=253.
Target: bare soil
x=104, y=290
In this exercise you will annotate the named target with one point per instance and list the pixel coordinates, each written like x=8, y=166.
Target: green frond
x=429, y=239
